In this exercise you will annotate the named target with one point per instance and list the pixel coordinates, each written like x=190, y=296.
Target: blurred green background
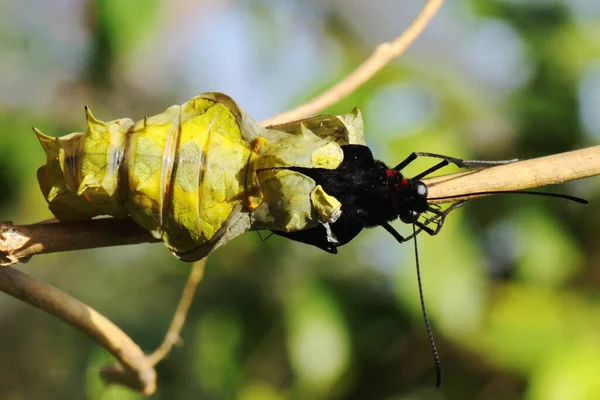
x=511, y=282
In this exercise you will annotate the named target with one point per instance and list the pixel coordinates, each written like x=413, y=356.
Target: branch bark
x=19, y=242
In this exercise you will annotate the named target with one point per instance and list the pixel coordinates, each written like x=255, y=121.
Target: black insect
x=372, y=194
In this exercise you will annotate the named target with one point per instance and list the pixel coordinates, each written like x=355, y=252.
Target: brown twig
x=383, y=54
x=519, y=175
x=19, y=242
x=172, y=337
x=137, y=371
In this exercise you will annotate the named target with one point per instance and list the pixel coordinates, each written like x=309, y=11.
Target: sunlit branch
x=520, y=175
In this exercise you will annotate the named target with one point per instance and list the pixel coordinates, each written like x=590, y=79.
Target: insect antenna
x=556, y=195
x=436, y=358
x=434, y=352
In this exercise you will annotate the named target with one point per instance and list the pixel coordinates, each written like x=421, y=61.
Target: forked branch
x=135, y=370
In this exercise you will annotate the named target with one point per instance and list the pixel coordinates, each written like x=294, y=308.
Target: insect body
x=371, y=194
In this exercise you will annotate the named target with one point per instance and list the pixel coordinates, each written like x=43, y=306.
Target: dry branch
x=519, y=175
x=19, y=242
x=135, y=370
x=172, y=336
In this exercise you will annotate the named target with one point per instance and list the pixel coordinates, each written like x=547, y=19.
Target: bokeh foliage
x=511, y=282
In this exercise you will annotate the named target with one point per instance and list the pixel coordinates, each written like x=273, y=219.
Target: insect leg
x=427, y=229
x=266, y=238
x=395, y=234
x=468, y=164
x=436, y=211
x=431, y=170
x=438, y=218
x=443, y=214
x=412, y=157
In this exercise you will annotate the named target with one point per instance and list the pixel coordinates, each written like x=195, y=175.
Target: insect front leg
x=438, y=219
x=467, y=164
x=395, y=234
